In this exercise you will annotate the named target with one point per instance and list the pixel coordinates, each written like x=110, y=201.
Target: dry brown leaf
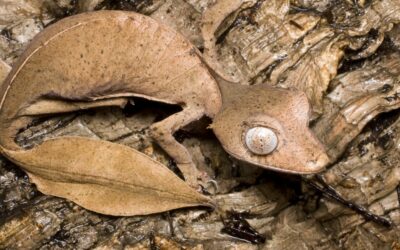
x=106, y=177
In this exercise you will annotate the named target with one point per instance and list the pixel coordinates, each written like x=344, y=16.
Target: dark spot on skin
x=81, y=55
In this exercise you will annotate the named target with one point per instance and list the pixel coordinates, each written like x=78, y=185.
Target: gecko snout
x=318, y=164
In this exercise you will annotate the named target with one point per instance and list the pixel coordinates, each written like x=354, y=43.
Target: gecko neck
x=229, y=90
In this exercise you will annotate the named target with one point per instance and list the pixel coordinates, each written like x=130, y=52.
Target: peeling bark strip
x=357, y=97
x=121, y=55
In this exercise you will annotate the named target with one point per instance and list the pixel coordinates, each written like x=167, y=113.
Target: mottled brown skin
x=102, y=58
x=286, y=112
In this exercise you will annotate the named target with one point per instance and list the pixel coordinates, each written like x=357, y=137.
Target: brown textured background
x=343, y=54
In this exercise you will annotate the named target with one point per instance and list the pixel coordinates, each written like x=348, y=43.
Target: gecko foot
x=207, y=184
x=198, y=180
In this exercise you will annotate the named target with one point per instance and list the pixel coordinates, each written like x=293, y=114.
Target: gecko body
x=104, y=58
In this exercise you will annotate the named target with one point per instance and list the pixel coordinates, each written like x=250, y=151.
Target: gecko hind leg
x=162, y=132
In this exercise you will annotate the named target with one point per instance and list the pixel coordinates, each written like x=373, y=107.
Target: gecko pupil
x=261, y=140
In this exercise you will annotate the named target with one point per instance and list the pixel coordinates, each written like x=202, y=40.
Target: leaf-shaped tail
x=105, y=177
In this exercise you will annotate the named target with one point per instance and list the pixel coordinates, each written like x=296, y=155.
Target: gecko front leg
x=163, y=132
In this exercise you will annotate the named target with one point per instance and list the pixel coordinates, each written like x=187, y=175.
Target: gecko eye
x=261, y=140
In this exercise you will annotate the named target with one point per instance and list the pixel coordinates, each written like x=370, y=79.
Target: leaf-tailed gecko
x=103, y=58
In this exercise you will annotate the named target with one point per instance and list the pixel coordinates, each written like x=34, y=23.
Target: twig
x=329, y=192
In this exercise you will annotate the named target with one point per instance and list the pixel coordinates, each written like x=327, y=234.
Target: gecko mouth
x=310, y=167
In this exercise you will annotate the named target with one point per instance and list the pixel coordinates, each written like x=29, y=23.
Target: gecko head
x=268, y=127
